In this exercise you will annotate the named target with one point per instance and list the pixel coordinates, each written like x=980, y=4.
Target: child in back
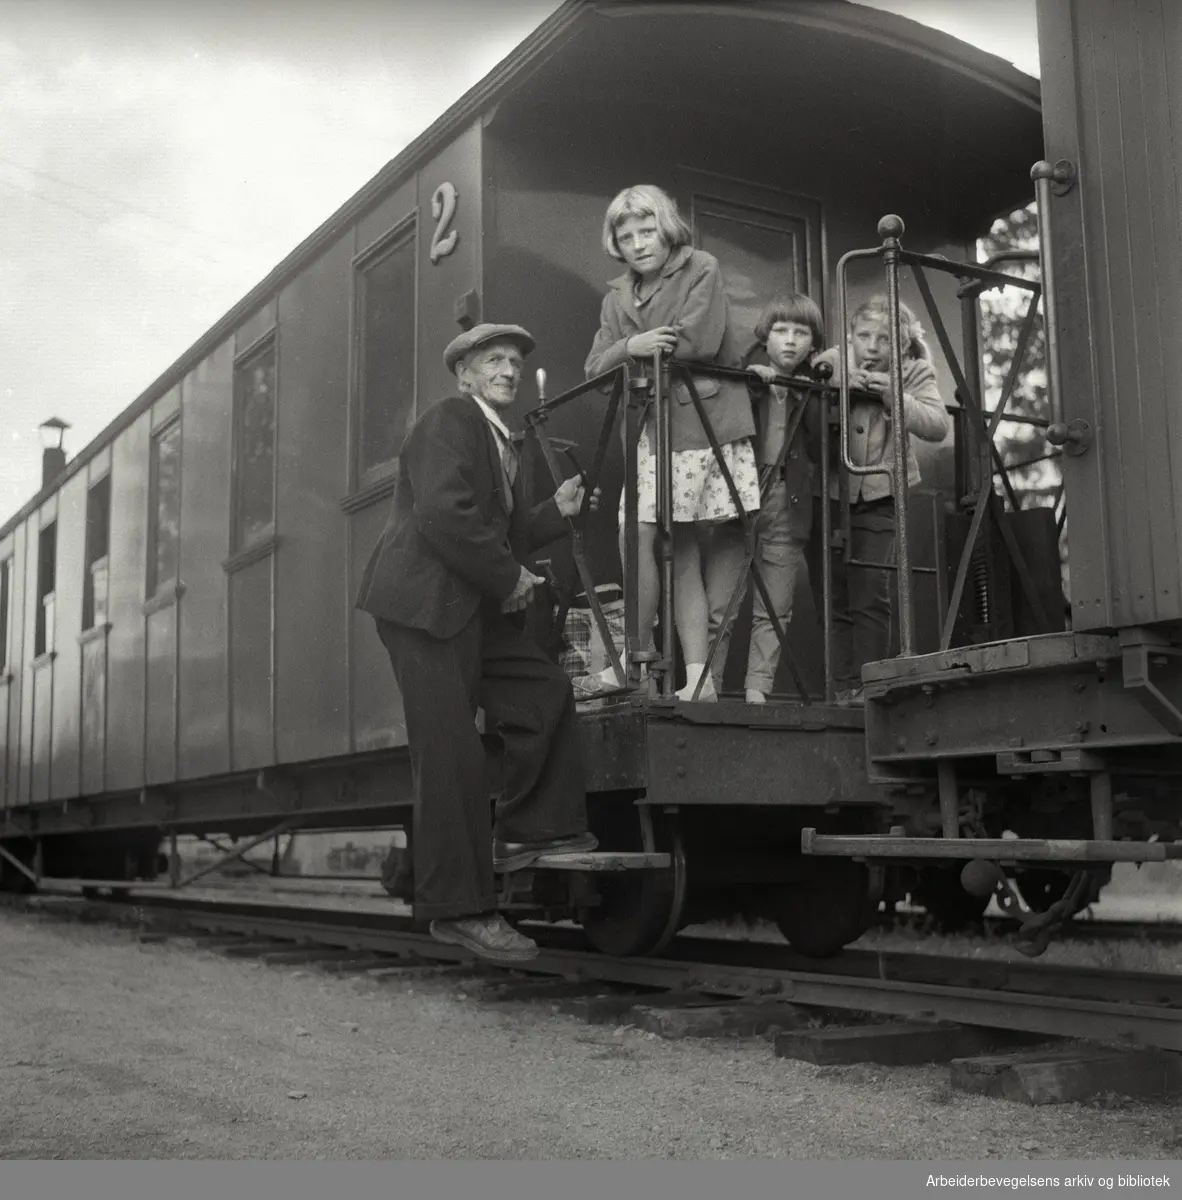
x=791, y=329
x=861, y=595
x=672, y=300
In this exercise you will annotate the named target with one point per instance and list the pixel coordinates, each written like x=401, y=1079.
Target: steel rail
x=1122, y=1008
x=1080, y=929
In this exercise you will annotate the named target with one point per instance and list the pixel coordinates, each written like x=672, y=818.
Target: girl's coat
x=691, y=298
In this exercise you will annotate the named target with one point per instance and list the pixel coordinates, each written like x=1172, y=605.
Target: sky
x=159, y=157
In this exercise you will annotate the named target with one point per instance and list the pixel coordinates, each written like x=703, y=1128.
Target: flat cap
x=478, y=335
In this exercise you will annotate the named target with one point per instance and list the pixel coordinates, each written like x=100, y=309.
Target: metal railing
x=622, y=382
x=974, y=278
x=646, y=397
x=650, y=397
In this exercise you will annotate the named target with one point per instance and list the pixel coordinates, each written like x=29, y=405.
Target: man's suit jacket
x=450, y=542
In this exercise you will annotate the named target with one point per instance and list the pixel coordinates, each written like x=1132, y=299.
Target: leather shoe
x=513, y=856
x=489, y=936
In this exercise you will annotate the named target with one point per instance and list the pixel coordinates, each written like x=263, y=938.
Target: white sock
x=608, y=674
x=693, y=672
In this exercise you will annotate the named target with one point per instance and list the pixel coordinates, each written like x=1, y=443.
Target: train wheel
x=823, y=914
x=951, y=908
x=640, y=912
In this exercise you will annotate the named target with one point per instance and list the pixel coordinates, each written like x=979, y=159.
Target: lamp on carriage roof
x=53, y=457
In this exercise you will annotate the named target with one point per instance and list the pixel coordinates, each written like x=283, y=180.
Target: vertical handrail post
x=635, y=400
x=826, y=548
x=890, y=229
x=1061, y=174
x=663, y=451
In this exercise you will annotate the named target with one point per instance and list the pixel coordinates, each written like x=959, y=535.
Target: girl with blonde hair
x=863, y=630
x=671, y=300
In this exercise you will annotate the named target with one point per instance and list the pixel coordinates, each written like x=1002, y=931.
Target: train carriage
x=181, y=650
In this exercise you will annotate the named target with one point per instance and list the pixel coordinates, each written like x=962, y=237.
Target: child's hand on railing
x=663, y=339
x=766, y=373
x=828, y=357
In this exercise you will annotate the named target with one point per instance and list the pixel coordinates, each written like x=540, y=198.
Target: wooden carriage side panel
x=160, y=680
x=251, y=713
x=8, y=689
x=42, y=732
x=311, y=564
x=36, y=713
x=67, y=665
x=28, y=606
x=16, y=664
x=128, y=575
x=92, y=697
x=1111, y=107
x=165, y=588
x=389, y=228
x=203, y=706
x=378, y=718
x=94, y=714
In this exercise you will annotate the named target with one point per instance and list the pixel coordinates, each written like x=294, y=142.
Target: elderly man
x=447, y=589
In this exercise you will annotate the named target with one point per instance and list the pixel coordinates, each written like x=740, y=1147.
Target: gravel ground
x=116, y=1048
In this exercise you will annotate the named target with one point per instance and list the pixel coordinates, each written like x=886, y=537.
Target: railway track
x=1114, y=1008
x=1083, y=929
x=1079, y=930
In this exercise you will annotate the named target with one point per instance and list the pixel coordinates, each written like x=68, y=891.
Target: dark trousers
x=527, y=699
x=862, y=626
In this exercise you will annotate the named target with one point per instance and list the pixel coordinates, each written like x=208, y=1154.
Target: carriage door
x=766, y=242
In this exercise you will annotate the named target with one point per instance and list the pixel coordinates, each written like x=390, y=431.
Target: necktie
x=509, y=459
x=509, y=464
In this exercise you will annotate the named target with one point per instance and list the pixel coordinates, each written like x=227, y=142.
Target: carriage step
x=601, y=860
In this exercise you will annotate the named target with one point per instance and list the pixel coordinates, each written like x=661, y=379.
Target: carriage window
x=5, y=594
x=94, y=582
x=165, y=528
x=46, y=585
x=386, y=351
x=254, y=447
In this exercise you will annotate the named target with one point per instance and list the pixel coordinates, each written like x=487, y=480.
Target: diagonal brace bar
x=20, y=866
x=239, y=851
x=752, y=548
x=986, y=490
x=590, y=481
x=748, y=532
x=580, y=558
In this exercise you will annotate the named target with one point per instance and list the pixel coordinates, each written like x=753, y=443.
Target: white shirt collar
x=493, y=419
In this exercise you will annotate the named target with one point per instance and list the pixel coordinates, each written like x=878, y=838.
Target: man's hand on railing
x=521, y=595
x=569, y=497
x=645, y=345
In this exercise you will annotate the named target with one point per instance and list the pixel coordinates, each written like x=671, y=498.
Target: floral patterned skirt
x=700, y=492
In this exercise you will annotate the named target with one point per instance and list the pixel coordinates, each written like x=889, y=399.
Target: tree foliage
x=1023, y=448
